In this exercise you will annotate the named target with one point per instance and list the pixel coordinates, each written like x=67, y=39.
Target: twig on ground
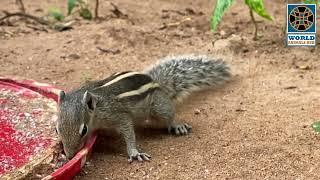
x=187, y=11
x=117, y=12
x=21, y=5
x=291, y=87
x=38, y=28
x=116, y=51
x=174, y=11
x=35, y=18
x=175, y=24
x=240, y=110
x=6, y=31
x=63, y=26
x=96, y=15
x=255, y=26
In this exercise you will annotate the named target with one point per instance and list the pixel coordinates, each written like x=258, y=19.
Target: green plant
x=316, y=127
x=71, y=4
x=256, y=6
x=85, y=13
x=56, y=14
x=220, y=8
x=311, y=1
x=83, y=10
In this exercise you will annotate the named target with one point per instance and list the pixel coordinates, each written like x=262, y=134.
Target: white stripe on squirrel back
x=120, y=78
x=141, y=90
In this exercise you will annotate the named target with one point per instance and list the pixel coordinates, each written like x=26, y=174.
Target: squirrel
x=125, y=99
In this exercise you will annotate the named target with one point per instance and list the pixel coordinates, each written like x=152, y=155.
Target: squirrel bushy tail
x=182, y=75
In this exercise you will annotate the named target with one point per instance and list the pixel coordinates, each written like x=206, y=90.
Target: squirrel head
x=74, y=124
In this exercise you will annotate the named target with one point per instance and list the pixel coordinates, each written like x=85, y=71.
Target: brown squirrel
x=125, y=99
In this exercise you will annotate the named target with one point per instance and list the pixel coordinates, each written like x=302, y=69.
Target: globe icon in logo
x=301, y=18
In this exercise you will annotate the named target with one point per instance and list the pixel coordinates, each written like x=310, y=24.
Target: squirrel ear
x=62, y=94
x=89, y=100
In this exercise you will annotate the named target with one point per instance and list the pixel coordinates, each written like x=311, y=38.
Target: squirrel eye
x=56, y=130
x=84, y=130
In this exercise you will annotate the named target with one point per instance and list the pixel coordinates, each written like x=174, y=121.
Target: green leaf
x=85, y=13
x=316, y=126
x=71, y=5
x=56, y=14
x=81, y=2
x=258, y=7
x=311, y=1
x=220, y=8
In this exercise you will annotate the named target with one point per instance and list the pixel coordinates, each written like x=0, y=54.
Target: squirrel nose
x=69, y=154
x=70, y=151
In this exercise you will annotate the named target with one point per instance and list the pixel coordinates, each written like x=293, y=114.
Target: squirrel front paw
x=136, y=155
x=180, y=129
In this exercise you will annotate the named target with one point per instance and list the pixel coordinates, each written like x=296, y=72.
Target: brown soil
x=257, y=126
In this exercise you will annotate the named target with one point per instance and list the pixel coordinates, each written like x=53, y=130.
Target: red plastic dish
x=72, y=167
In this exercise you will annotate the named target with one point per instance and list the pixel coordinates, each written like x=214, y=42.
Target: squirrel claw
x=139, y=156
x=181, y=129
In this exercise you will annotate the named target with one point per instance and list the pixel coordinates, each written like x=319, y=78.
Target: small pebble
x=223, y=33
x=197, y=111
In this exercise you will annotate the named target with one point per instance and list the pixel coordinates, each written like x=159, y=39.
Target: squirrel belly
x=182, y=75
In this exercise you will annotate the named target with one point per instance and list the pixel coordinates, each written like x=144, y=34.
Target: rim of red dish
x=72, y=167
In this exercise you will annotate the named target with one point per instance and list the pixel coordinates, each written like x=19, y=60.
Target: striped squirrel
x=125, y=99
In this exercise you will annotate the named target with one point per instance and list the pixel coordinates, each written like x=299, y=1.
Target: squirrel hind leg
x=163, y=109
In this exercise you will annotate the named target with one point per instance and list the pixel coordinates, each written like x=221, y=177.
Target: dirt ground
x=257, y=126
